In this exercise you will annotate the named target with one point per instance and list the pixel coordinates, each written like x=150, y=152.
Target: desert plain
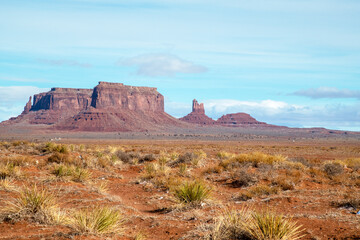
x=311, y=184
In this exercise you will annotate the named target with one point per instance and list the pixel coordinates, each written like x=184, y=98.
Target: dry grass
x=35, y=203
x=192, y=193
x=98, y=220
x=254, y=225
x=74, y=173
x=7, y=184
x=9, y=170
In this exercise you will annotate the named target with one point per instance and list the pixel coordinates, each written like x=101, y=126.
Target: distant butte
x=238, y=119
x=198, y=116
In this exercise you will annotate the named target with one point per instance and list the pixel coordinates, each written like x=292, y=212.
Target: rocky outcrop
x=27, y=107
x=238, y=119
x=198, y=115
x=107, y=107
x=198, y=108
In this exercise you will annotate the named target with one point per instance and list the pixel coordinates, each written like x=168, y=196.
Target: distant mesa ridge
x=198, y=116
x=115, y=107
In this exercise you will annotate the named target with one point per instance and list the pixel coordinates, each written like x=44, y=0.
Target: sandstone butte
x=198, y=116
x=115, y=107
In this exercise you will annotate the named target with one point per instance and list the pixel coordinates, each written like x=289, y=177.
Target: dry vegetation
x=179, y=190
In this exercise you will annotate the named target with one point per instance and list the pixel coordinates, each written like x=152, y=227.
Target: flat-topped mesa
x=120, y=96
x=107, y=107
x=66, y=99
x=198, y=115
x=238, y=119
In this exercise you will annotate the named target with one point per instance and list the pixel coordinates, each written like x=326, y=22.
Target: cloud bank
x=328, y=92
x=161, y=65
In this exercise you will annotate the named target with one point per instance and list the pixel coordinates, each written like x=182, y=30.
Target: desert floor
x=313, y=183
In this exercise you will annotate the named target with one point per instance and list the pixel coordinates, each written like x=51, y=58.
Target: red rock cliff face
x=27, y=107
x=107, y=107
x=62, y=99
x=120, y=96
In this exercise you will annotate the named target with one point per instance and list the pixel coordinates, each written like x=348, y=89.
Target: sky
x=287, y=62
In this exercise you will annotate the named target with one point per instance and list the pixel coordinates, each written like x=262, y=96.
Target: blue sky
x=286, y=62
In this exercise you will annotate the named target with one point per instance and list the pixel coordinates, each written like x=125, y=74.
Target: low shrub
x=18, y=160
x=267, y=225
x=193, y=193
x=223, y=155
x=333, y=168
x=257, y=158
x=59, y=158
x=52, y=147
x=35, y=203
x=7, y=184
x=147, y=158
x=128, y=157
x=99, y=220
x=253, y=225
x=104, y=162
x=353, y=163
x=186, y=158
x=284, y=183
x=80, y=174
x=231, y=225
x=257, y=191
x=242, y=179
x=9, y=170
x=75, y=173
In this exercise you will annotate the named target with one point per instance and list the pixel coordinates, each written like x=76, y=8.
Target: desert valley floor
x=311, y=183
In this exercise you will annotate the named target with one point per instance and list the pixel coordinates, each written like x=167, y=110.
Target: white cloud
x=14, y=94
x=160, y=65
x=328, y=92
x=217, y=108
x=14, y=98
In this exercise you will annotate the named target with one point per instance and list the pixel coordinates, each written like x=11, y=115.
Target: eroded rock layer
x=107, y=107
